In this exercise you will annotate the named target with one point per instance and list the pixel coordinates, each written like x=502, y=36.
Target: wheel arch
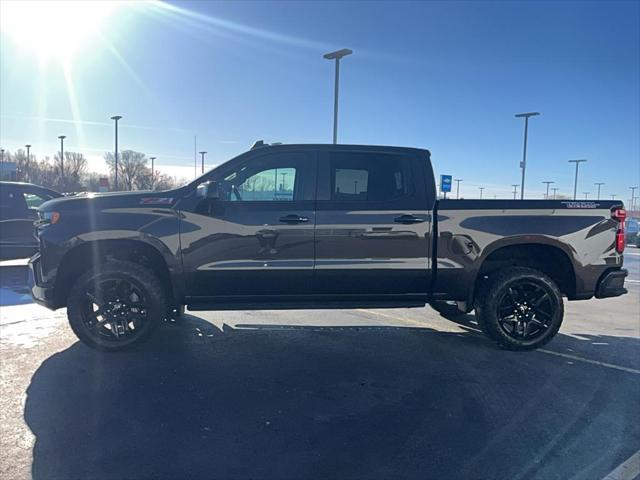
x=549, y=256
x=90, y=253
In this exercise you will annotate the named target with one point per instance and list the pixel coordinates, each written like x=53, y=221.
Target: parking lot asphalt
x=394, y=393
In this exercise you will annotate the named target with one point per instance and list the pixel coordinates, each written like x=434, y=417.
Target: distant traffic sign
x=445, y=183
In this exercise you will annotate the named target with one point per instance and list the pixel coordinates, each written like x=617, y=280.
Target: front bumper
x=42, y=293
x=612, y=284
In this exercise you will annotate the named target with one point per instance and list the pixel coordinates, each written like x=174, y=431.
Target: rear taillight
x=619, y=214
x=620, y=240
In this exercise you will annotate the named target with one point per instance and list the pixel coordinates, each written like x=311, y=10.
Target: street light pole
x=457, y=180
x=598, y=184
x=613, y=196
x=202, y=168
x=523, y=164
x=1, y=162
x=547, y=195
x=633, y=197
x=481, y=189
x=575, y=182
x=115, y=118
x=586, y=195
x=555, y=190
x=153, y=173
x=515, y=190
x=337, y=55
x=62, y=137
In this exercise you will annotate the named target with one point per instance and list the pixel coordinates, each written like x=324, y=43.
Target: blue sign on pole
x=445, y=183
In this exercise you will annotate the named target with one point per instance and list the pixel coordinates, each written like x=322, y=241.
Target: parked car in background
x=18, y=210
x=632, y=232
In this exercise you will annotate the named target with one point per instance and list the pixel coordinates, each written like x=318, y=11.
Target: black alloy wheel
x=520, y=308
x=116, y=305
x=525, y=310
x=114, y=310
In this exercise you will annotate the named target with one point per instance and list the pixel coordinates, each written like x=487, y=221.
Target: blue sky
x=448, y=76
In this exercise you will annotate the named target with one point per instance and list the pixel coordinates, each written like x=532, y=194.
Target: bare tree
x=75, y=167
x=133, y=172
x=164, y=182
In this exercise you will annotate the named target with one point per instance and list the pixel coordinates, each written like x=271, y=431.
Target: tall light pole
x=515, y=190
x=523, y=164
x=598, y=184
x=153, y=173
x=575, y=182
x=613, y=196
x=481, y=189
x=202, y=154
x=633, y=197
x=548, y=183
x=337, y=55
x=586, y=195
x=115, y=118
x=62, y=137
x=555, y=190
x=1, y=162
x=457, y=180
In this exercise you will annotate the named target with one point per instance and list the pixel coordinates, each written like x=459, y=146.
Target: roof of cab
x=339, y=146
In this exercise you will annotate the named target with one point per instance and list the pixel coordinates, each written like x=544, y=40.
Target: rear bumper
x=41, y=292
x=612, y=284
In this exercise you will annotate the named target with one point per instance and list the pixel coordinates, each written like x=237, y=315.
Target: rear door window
x=365, y=177
x=370, y=180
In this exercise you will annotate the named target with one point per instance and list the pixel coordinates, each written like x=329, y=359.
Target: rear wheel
x=116, y=305
x=520, y=308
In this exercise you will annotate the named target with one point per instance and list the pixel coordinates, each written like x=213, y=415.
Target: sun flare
x=54, y=29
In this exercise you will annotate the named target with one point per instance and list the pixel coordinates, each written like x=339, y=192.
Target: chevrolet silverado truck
x=322, y=226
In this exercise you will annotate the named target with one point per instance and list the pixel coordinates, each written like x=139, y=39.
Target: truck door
x=373, y=224
x=256, y=239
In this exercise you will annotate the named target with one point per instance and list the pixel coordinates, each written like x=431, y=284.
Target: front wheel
x=116, y=305
x=520, y=308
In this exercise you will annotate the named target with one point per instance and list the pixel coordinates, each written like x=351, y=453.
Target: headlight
x=50, y=217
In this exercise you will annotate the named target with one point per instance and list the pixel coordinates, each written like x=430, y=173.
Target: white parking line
x=632, y=281
x=543, y=350
x=628, y=470
x=587, y=360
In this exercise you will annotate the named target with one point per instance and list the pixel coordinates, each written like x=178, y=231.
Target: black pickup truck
x=322, y=226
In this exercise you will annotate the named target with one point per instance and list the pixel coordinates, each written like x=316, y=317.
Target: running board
x=304, y=305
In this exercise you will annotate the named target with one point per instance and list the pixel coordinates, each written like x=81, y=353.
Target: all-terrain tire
x=142, y=278
x=491, y=296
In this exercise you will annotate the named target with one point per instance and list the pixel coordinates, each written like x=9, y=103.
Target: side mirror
x=210, y=190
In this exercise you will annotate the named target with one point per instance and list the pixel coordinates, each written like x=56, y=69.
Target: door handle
x=408, y=219
x=294, y=219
